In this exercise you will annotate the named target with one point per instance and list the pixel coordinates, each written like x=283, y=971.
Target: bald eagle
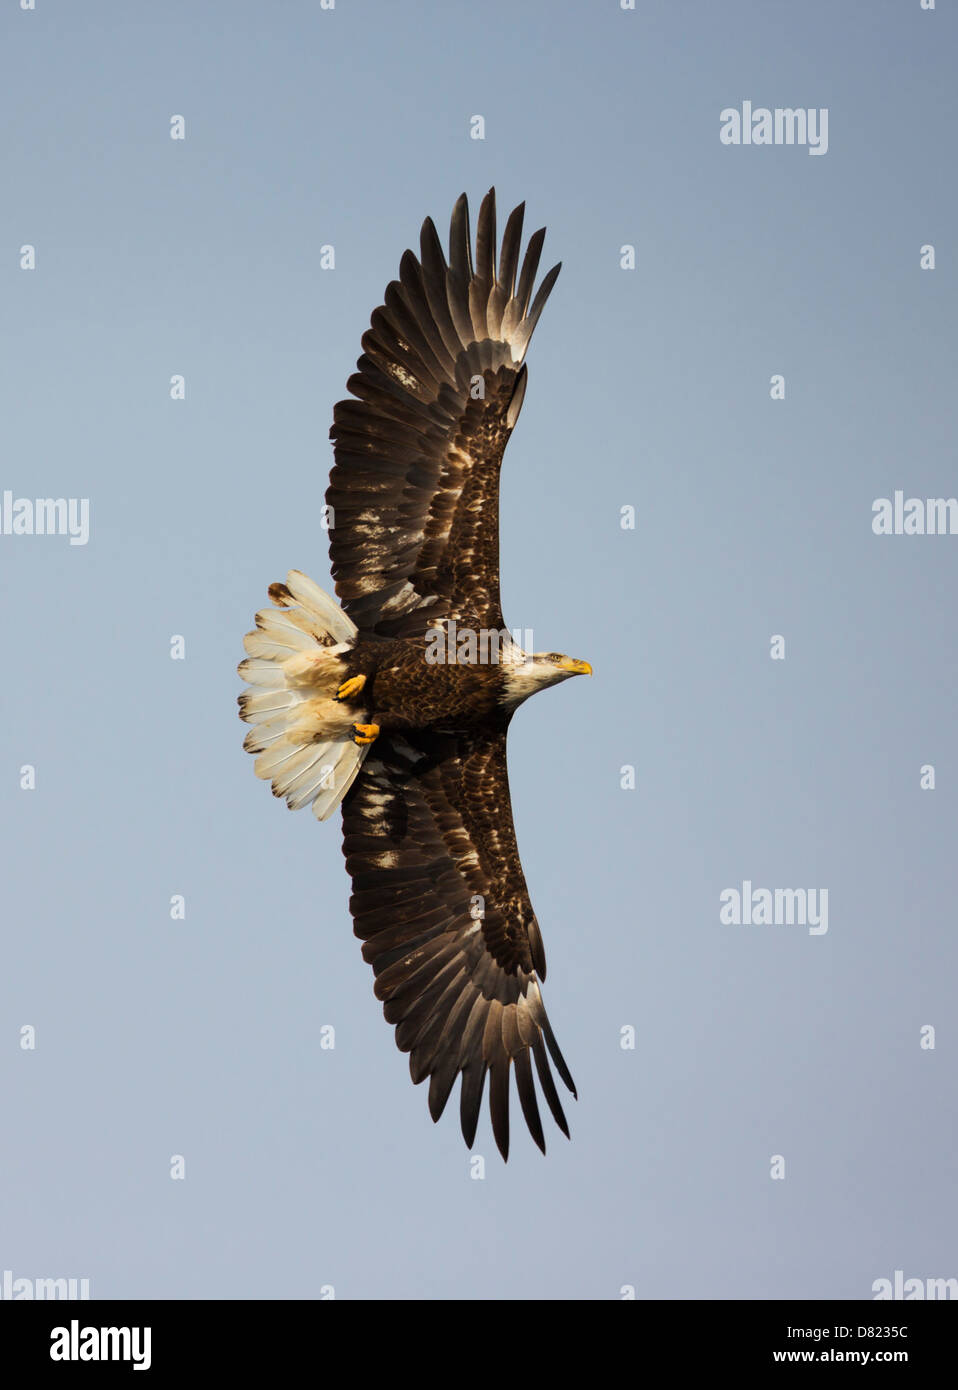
x=380, y=705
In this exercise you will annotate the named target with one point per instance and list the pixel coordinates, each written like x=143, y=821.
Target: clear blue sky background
x=308, y=1167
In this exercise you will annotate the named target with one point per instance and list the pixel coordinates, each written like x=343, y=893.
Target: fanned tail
x=301, y=733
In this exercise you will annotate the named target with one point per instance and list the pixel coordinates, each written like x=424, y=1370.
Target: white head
x=525, y=674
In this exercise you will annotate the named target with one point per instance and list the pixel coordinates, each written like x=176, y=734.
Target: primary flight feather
x=397, y=704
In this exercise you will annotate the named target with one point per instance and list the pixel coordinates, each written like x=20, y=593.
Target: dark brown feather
x=441, y=905
x=415, y=489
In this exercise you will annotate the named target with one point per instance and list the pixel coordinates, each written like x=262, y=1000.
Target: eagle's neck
x=520, y=679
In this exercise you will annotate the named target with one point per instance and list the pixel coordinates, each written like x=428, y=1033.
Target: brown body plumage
x=405, y=690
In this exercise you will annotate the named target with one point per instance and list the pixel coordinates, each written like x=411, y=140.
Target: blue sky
x=309, y=1167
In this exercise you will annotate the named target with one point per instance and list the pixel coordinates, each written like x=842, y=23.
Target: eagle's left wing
x=440, y=902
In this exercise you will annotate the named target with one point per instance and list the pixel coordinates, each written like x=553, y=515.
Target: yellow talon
x=365, y=733
x=351, y=687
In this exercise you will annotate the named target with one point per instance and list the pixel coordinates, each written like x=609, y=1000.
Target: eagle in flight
x=396, y=704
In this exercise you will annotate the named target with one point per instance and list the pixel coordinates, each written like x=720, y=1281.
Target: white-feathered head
x=536, y=670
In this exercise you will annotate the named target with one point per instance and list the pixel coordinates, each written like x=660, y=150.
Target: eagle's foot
x=365, y=733
x=350, y=688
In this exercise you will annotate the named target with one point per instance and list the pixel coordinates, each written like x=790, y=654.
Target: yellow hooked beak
x=575, y=668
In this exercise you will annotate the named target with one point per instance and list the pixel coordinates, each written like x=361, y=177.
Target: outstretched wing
x=414, y=493
x=440, y=902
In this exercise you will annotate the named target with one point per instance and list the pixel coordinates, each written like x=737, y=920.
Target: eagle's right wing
x=440, y=902
x=414, y=493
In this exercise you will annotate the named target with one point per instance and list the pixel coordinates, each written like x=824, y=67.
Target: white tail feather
x=301, y=733
x=326, y=609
